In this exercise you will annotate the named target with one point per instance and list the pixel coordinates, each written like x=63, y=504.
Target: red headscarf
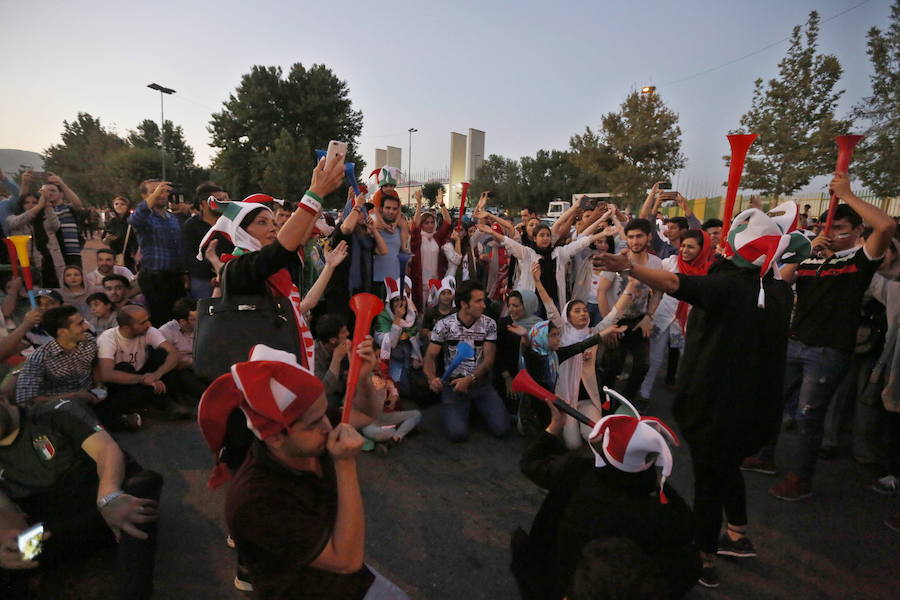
x=699, y=265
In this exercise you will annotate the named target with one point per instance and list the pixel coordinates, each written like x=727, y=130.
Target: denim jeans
x=455, y=410
x=819, y=371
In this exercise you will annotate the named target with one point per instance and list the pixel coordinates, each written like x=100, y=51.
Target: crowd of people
x=772, y=321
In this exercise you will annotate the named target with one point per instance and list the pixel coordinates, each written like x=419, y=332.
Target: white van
x=556, y=208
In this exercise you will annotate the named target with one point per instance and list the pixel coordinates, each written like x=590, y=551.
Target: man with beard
x=638, y=317
x=192, y=232
x=392, y=231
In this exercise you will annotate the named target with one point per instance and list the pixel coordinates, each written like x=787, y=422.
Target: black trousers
x=161, y=289
x=635, y=344
x=124, y=398
x=718, y=486
x=79, y=530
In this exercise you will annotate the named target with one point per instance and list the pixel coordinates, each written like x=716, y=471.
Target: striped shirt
x=68, y=227
x=51, y=370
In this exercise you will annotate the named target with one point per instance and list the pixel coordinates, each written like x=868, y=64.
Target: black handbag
x=229, y=326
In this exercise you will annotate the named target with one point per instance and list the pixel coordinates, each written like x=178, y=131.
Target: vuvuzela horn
x=462, y=203
x=739, y=143
x=21, y=244
x=845, y=144
x=366, y=307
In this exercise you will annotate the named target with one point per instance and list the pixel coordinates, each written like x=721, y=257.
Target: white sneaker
x=888, y=485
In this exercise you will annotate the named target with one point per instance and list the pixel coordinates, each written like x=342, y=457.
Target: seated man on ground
x=103, y=313
x=118, y=290
x=106, y=265
x=63, y=367
x=133, y=359
x=294, y=508
x=61, y=468
x=185, y=384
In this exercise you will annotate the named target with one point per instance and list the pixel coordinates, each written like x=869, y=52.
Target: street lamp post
x=162, y=122
x=412, y=130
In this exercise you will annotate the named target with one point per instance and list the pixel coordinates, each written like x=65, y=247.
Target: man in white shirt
x=133, y=360
x=106, y=265
x=185, y=386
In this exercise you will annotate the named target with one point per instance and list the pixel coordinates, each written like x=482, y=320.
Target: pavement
x=439, y=517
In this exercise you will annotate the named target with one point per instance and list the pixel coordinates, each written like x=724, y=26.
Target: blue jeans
x=815, y=373
x=455, y=410
x=201, y=288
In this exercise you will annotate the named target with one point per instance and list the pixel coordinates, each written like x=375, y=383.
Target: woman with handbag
x=265, y=260
x=119, y=235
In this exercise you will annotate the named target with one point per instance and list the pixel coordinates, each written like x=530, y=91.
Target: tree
x=286, y=173
x=311, y=106
x=499, y=175
x=877, y=159
x=633, y=148
x=81, y=158
x=548, y=175
x=430, y=190
x=178, y=153
x=794, y=117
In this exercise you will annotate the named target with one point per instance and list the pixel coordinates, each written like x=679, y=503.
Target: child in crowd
x=102, y=313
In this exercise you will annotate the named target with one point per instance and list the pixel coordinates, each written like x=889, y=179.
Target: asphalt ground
x=439, y=517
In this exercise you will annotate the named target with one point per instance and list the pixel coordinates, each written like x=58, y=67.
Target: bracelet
x=311, y=203
x=107, y=499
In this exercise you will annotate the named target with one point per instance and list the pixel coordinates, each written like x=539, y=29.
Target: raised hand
x=336, y=255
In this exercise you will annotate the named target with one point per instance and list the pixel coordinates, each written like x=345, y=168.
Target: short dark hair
x=530, y=210
x=58, y=318
x=391, y=197
x=843, y=212
x=639, y=224
x=682, y=222
x=116, y=277
x=693, y=233
x=710, y=223
x=105, y=251
x=204, y=191
x=329, y=326
x=616, y=568
x=465, y=289
x=183, y=307
x=99, y=297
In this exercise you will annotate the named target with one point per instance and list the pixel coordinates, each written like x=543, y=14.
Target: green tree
x=286, y=172
x=548, y=175
x=499, y=175
x=311, y=105
x=793, y=115
x=178, y=153
x=877, y=159
x=639, y=144
x=430, y=190
x=81, y=158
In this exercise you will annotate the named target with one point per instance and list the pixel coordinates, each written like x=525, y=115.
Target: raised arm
x=333, y=258
x=298, y=228
x=70, y=196
x=549, y=305
x=651, y=203
x=883, y=226
x=658, y=279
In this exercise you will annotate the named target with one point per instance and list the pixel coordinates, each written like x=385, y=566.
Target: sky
x=531, y=74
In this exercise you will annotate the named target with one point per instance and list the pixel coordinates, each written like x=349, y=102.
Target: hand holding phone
x=335, y=148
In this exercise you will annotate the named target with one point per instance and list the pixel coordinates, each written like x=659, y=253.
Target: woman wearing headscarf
x=426, y=239
x=521, y=311
x=693, y=258
x=576, y=383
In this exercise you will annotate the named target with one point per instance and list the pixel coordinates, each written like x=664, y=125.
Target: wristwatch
x=102, y=502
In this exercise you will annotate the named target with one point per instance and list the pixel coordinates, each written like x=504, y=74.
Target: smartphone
x=334, y=148
x=665, y=185
x=31, y=541
x=586, y=203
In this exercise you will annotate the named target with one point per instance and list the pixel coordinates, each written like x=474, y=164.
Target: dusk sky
x=530, y=74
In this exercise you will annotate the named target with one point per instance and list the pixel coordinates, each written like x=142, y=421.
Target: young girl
x=74, y=291
x=395, y=333
x=577, y=379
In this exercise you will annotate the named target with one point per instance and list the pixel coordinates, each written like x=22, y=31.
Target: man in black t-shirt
x=192, y=231
x=60, y=467
x=829, y=287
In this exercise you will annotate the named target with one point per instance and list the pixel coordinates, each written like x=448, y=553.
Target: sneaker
x=893, y=523
x=129, y=422
x=709, y=577
x=792, y=488
x=242, y=580
x=888, y=485
x=751, y=463
x=740, y=548
x=229, y=541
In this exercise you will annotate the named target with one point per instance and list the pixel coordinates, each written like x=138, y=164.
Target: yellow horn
x=21, y=244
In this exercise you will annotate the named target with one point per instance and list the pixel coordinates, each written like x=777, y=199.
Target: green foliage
x=430, y=190
x=877, y=158
x=794, y=118
x=269, y=114
x=634, y=147
x=501, y=176
x=98, y=164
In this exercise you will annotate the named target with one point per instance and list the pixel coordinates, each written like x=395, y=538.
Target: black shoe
x=709, y=577
x=741, y=548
